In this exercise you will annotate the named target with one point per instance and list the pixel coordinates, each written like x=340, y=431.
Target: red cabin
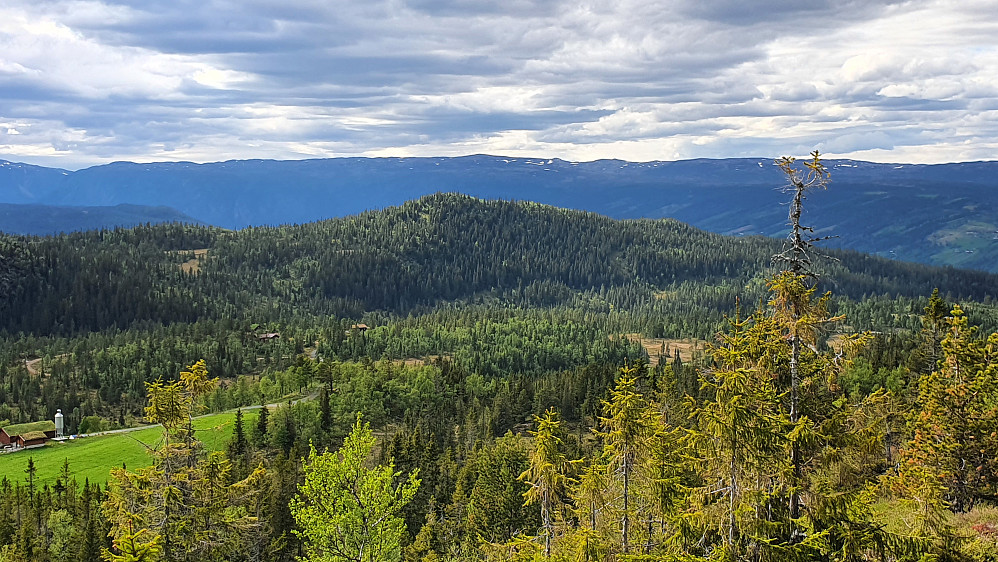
x=25, y=432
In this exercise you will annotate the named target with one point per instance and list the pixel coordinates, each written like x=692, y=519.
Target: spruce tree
x=238, y=448
x=183, y=508
x=549, y=474
x=626, y=425
x=791, y=289
x=953, y=425
x=933, y=331
x=31, y=471
x=260, y=435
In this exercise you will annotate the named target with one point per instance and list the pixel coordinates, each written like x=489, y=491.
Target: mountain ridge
x=439, y=249
x=42, y=220
x=941, y=214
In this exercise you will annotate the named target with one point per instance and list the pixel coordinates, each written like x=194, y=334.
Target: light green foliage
x=739, y=441
x=139, y=546
x=778, y=455
x=549, y=473
x=196, y=514
x=91, y=424
x=585, y=545
x=951, y=458
x=859, y=379
x=428, y=542
x=346, y=509
x=184, y=507
x=627, y=423
x=795, y=310
x=591, y=493
x=60, y=524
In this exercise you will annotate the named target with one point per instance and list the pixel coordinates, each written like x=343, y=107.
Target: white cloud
x=88, y=81
x=54, y=57
x=219, y=78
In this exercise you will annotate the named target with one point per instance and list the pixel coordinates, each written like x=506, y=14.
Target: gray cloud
x=815, y=13
x=87, y=81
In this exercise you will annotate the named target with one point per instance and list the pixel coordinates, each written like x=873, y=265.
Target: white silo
x=59, y=424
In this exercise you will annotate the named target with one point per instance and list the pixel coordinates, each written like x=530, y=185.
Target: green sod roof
x=32, y=435
x=22, y=428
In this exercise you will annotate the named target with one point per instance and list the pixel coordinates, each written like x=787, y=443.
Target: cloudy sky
x=85, y=82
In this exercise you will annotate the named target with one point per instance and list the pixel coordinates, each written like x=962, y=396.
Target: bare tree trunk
x=651, y=523
x=732, y=490
x=795, y=460
x=626, y=523
x=548, y=525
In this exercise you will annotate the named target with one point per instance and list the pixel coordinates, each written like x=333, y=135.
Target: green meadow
x=93, y=457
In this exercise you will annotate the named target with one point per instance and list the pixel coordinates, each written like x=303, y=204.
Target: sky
x=89, y=82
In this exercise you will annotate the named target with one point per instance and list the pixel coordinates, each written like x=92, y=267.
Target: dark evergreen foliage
x=448, y=323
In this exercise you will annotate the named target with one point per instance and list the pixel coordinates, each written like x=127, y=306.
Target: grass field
x=94, y=457
x=654, y=346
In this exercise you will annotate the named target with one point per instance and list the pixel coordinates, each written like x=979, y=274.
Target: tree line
x=431, y=462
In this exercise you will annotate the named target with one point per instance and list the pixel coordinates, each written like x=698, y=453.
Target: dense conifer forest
x=461, y=379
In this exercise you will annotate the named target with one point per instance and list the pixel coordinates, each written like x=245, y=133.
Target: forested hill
x=436, y=250
x=939, y=214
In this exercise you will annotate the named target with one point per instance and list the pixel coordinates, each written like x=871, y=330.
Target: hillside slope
x=438, y=249
x=940, y=214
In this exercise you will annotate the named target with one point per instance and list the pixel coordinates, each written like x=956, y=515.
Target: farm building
x=31, y=439
x=27, y=434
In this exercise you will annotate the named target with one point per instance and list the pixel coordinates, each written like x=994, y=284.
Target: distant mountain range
x=55, y=219
x=943, y=214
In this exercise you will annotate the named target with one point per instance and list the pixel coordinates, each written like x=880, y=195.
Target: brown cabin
x=24, y=432
x=31, y=439
x=360, y=327
x=269, y=336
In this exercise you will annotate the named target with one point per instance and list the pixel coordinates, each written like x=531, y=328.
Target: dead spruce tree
x=797, y=259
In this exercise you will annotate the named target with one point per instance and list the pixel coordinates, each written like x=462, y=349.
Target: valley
x=459, y=329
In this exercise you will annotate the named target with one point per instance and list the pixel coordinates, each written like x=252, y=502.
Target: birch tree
x=347, y=510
